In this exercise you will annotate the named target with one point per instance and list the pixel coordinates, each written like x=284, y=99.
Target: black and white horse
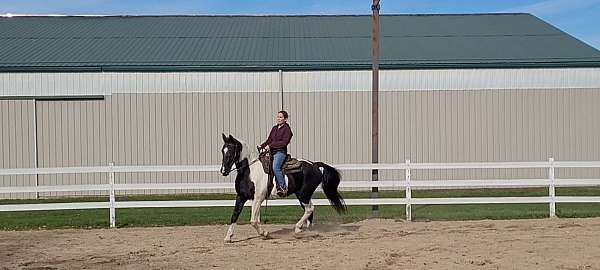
x=251, y=183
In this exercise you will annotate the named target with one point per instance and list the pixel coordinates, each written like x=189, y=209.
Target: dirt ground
x=369, y=244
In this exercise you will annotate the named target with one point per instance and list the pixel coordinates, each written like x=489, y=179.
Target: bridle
x=237, y=168
x=260, y=154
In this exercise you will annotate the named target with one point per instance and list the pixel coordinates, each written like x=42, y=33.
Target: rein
x=241, y=167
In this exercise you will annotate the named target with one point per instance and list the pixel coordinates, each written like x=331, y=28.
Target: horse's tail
x=331, y=181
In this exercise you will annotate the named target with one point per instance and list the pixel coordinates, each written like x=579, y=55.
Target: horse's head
x=233, y=152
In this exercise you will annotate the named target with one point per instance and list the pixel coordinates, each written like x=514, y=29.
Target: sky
x=580, y=18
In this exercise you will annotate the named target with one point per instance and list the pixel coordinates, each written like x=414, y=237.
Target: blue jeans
x=278, y=159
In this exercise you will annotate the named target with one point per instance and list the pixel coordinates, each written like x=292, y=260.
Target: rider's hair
x=285, y=114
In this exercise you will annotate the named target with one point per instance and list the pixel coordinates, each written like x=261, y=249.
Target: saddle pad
x=292, y=166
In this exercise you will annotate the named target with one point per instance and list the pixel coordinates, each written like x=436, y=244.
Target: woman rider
x=277, y=143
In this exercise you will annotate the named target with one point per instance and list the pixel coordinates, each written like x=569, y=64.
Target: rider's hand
x=267, y=148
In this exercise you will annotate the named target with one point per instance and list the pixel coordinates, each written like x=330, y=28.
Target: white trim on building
x=93, y=84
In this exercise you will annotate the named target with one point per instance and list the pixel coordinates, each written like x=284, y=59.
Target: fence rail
x=551, y=183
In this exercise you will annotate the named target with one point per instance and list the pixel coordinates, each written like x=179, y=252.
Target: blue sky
x=580, y=18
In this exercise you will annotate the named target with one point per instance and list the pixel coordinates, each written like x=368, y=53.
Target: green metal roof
x=167, y=43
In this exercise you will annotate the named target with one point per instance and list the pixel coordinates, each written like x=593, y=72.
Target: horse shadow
x=317, y=231
x=245, y=239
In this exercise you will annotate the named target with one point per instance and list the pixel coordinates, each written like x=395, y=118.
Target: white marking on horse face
x=225, y=150
x=321, y=169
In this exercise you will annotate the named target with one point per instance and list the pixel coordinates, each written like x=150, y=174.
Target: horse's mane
x=247, y=152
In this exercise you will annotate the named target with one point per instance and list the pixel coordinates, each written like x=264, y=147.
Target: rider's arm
x=269, y=140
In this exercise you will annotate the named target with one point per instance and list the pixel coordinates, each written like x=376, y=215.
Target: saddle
x=289, y=167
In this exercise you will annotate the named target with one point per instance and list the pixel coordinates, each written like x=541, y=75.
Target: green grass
x=143, y=217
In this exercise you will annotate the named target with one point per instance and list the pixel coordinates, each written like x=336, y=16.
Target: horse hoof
x=298, y=230
x=227, y=240
x=265, y=235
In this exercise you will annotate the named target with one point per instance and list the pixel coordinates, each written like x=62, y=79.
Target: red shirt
x=279, y=138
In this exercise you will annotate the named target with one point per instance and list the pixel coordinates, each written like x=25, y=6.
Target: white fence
x=551, y=182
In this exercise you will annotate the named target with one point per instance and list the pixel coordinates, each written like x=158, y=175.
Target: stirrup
x=281, y=192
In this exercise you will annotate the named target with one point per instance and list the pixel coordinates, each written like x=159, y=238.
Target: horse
x=252, y=183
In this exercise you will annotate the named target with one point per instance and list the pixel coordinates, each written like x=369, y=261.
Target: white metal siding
x=426, y=116
x=491, y=126
x=443, y=79
x=86, y=84
x=82, y=84
x=17, y=143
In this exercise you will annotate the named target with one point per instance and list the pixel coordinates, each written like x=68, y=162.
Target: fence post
x=408, y=192
x=551, y=189
x=111, y=203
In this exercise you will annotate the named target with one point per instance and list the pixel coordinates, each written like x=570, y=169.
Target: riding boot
x=281, y=192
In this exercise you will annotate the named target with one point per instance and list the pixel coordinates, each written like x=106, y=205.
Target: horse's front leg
x=255, y=218
x=239, y=205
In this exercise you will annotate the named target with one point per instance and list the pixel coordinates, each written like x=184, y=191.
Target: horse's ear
x=231, y=139
x=224, y=137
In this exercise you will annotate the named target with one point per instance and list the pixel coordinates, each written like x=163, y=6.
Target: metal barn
x=159, y=90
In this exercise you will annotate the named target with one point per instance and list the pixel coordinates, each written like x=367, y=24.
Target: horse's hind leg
x=309, y=208
x=255, y=218
x=309, y=221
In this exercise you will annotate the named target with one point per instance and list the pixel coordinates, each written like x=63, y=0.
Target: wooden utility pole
x=375, y=100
